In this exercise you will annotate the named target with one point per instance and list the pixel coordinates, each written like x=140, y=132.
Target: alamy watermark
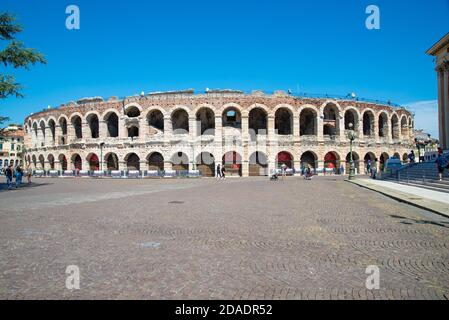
x=73, y=21
x=72, y=281
x=372, y=22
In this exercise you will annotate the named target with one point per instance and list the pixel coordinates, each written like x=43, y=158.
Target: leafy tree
x=14, y=55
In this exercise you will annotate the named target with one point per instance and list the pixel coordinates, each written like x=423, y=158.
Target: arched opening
x=284, y=158
x=92, y=121
x=132, y=112
x=351, y=118
x=77, y=125
x=35, y=130
x=112, y=124
x=94, y=163
x=52, y=127
x=355, y=159
x=383, y=125
x=77, y=162
x=232, y=162
x=132, y=162
x=51, y=161
x=395, y=130
x=370, y=161
x=283, y=122
x=155, y=161
x=405, y=158
x=41, y=162
x=258, y=122
x=404, y=127
x=231, y=117
x=111, y=162
x=42, y=127
x=63, y=125
x=310, y=159
x=206, y=164
x=180, y=122
x=308, y=122
x=155, y=120
x=258, y=164
x=133, y=132
x=368, y=124
x=63, y=162
x=383, y=160
x=330, y=120
x=205, y=118
x=33, y=159
x=397, y=156
x=180, y=162
x=331, y=160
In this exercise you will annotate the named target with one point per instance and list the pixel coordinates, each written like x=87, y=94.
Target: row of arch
x=205, y=161
x=231, y=117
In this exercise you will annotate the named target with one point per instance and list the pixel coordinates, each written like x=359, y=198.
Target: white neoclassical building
x=250, y=134
x=440, y=51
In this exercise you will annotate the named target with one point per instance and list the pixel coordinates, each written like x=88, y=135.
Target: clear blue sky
x=125, y=47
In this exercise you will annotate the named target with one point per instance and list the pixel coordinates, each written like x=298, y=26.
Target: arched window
x=231, y=117
x=308, y=122
x=206, y=119
x=155, y=121
x=132, y=112
x=283, y=121
x=77, y=125
x=133, y=132
x=368, y=123
x=92, y=120
x=112, y=124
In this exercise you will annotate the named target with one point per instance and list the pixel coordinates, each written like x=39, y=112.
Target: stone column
x=441, y=123
x=341, y=127
x=296, y=127
x=58, y=134
x=102, y=129
x=446, y=108
x=85, y=130
x=168, y=130
x=320, y=131
x=271, y=128
x=122, y=131
x=218, y=130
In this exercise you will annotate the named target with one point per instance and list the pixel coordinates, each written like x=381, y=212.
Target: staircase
x=423, y=175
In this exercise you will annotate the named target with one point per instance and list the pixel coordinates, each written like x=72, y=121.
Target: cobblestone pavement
x=203, y=239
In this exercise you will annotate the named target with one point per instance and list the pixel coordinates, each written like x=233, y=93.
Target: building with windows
x=251, y=134
x=440, y=51
x=11, y=146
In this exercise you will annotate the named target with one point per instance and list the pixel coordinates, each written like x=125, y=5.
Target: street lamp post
x=351, y=137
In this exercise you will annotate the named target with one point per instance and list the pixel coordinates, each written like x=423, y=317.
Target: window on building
x=12, y=146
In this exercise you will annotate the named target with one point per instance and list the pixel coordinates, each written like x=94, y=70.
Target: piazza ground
x=203, y=239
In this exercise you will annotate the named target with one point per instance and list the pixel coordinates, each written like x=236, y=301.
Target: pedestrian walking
x=29, y=173
x=223, y=172
x=442, y=164
x=368, y=167
x=411, y=156
x=18, y=176
x=219, y=176
x=8, y=175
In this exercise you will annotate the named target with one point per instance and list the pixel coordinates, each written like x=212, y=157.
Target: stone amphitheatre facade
x=251, y=133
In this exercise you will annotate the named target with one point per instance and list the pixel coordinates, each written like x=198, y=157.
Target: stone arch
x=205, y=118
x=52, y=127
x=77, y=125
x=112, y=123
x=309, y=158
x=132, y=110
x=351, y=116
x=232, y=117
x=331, y=119
x=404, y=127
x=383, y=160
x=94, y=125
x=308, y=122
x=405, y=158
x=283, y=122
x=155, y=161
x=62, y=121
x=63, y=162
x=155, y=120
x=112, y=162
x=395, y=129
x=368, y=123
x=42, y=126
x=332, y=160
x=258, y=164
x=383, y=124
x=232, y=162
x=42, y=161
x=284, y=157
x=133, y=132
x=206, y=164
x=258, y=121
x=77, y=161
x=132, y=161
x=180, y=161
x=33, y=158
x=180, y=121
x=93, y=161
x=51, y=161
x=356, y=160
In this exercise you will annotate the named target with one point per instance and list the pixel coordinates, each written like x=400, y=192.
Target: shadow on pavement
x=4, y=186
x=410, y=221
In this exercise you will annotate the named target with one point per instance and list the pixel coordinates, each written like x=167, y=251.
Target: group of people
x=221, y=172
x=442, y=163
x=10, y=173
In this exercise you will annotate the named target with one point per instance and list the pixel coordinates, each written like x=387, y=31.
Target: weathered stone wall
x=42, y=143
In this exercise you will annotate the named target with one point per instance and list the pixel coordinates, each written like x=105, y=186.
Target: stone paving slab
x=207, y=239
x=434, y=201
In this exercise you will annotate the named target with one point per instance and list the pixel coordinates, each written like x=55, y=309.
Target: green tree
x=15, y=55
